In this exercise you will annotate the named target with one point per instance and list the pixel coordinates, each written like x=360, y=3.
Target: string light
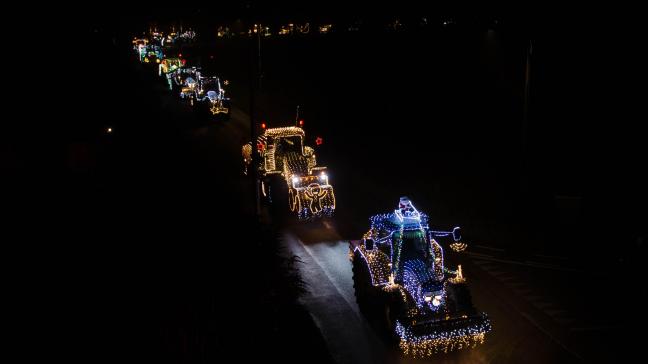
x=310, y=195
x=379, y=265
x=468, y=333
x=403, y=255
x=459, y=278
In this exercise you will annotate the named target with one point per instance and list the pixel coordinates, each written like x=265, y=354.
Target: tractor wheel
x=277, y=192
x=459, y=298
x=391, y=310
x=380, y=308
x=365, y=292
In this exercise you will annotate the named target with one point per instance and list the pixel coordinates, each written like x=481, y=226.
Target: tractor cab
x=288, y=144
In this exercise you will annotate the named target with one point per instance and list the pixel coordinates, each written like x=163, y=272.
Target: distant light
x=301, y=122
x=263, y=125
x=319, y=141
x=180, y=55
x=109, y=130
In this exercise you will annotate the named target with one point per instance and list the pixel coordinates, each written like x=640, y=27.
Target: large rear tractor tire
x=277, y=196
x=380, y=308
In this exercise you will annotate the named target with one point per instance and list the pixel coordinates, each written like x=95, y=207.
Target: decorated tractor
x=139, y=41
x=289, y=173
x=186, y=81
x=168, y=68
x=170, y=65
x=209, y=91
x=151, y=53
x=139, y=46
x=406, y=292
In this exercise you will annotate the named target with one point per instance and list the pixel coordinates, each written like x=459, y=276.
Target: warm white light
x=436, y=301
x=109, y=130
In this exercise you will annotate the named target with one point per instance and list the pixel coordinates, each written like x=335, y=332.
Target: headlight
x=436, y=301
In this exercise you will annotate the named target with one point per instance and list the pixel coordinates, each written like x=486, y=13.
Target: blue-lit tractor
x=406, y=292
x=209, y=92
x=186, y=82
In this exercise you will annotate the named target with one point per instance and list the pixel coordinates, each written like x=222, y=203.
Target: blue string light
x=402, y=254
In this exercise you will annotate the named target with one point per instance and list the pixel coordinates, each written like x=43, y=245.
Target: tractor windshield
x=414, y=246
x=210, y=84
x=290, y=144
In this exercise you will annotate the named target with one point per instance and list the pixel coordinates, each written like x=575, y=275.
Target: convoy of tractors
x=402, y=284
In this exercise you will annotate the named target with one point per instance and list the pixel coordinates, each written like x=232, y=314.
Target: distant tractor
x=168, y=65
x=288, y=172
x=168, y=68
x=406, y=292
x=139, y=45
x=151, y=54
x=210, y=92
x=186, y=80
